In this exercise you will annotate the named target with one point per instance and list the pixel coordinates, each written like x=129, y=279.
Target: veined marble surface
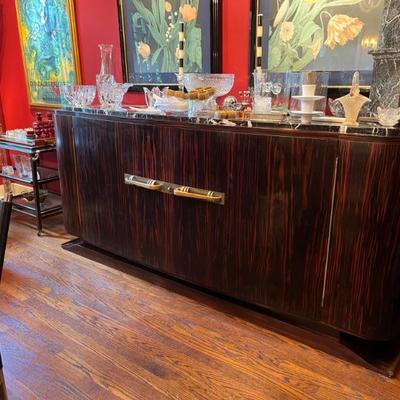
x=390, y=33
x=366, y=129
x=385, y=89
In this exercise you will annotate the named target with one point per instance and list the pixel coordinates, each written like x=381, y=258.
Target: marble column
x=385, y=88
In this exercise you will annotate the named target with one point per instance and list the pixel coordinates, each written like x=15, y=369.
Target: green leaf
x=163, y=16
x=307, y=31
x=285, y=65
x=155, y=55
x=145, y=13
x=154, y=9
x=300, y=64
x=308, y=56
x=164, y=66
x=274, y=58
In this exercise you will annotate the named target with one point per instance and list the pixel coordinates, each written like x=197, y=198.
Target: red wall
x=99, y=24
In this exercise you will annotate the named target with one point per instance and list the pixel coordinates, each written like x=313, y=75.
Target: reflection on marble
x=385, y=89
x=389, y=35
x=370, y=129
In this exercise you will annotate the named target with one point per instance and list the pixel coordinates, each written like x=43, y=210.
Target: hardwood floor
x=72, y=328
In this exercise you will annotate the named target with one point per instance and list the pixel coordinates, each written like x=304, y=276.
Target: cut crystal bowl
x=388, y=117
x=111, y=94
x=222, y=83
x=79, y=95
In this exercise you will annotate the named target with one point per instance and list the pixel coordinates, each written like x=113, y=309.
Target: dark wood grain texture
x=268, y=244
x=364, y=271
x=72, y=328
x=67, y=171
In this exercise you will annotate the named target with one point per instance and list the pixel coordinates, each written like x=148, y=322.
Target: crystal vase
x=105, y=78
x=106, y=59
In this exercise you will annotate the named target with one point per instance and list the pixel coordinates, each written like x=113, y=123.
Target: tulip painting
x=151, y=31
x=318, y=34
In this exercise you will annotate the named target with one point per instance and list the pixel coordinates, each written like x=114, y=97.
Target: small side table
x=52, y=204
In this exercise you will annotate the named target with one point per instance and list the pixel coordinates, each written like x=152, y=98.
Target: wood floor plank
x=75, y=328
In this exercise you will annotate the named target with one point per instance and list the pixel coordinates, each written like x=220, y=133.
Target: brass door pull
x=186, y=191
x=149, y=184
x=177, y=190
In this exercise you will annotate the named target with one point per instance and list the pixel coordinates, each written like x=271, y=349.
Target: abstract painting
x=150, y=30
x=49, y=48
x=324, y=35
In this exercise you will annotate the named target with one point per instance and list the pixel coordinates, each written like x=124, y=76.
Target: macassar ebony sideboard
x=304, y=222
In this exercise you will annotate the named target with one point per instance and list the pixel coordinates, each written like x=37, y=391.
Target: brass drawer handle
x=176, y=190
x=186, y=191
x=144, y=183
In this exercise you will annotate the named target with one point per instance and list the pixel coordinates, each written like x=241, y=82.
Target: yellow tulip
x=144, y=50
x=341, y=29
x=189, y=13
x=168, y=7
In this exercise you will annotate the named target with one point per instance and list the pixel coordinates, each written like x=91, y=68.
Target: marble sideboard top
x=366, y=129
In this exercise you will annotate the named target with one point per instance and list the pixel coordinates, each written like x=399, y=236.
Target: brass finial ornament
x=353, y=102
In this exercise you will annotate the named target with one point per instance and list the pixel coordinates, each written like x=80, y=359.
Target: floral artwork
x=330, y=35
x=151, y=35
x=48, y=47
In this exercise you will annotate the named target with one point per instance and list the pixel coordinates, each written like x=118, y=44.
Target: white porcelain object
x=309, y=90
x=222, y=83
x=307, y=106
x=308, y=98
x=307, y=103
x=388, y=117
x=306, y=117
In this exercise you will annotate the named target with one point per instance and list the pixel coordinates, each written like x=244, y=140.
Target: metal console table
x=52, y=204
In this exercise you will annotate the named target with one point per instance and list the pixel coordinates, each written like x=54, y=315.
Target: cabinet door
x=278, y=210
x=101, y=184
x=363, y=285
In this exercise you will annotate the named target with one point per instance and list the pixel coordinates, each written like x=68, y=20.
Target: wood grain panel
x=267, y=245
x=67, y=170
x=363, y=292
x=279, y=218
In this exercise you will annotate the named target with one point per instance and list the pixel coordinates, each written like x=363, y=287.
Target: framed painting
x=321, y=35
x=150, y=34
x=49, y=48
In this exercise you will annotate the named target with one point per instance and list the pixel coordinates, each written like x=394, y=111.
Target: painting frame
x=33, y=103
x=338, y=80
x=215, y=28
